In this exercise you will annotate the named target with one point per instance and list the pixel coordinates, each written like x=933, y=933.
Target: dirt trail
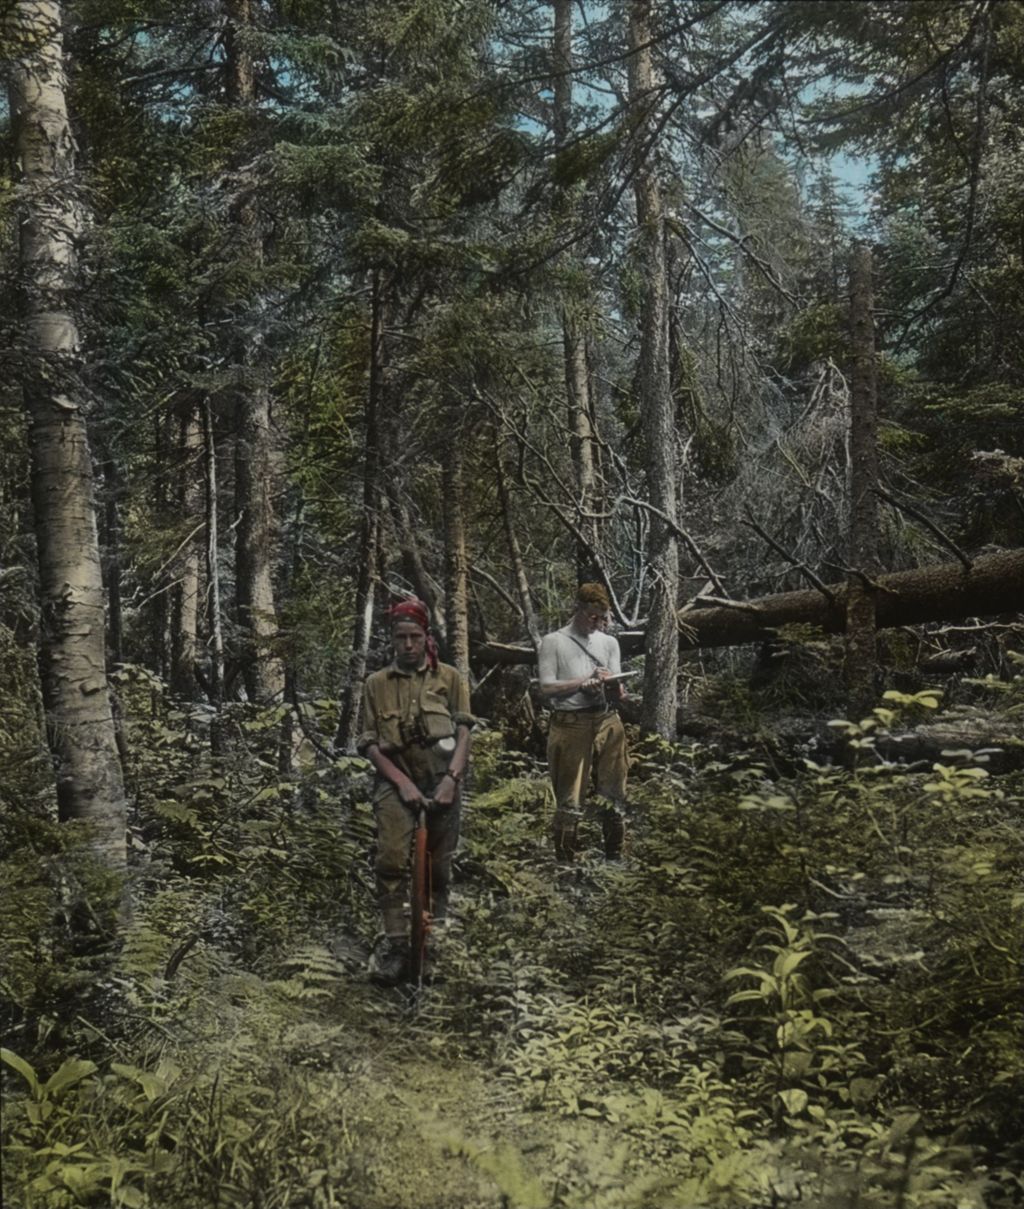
x=430, y=1119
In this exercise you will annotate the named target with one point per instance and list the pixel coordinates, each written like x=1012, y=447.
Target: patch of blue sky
x=853, y=175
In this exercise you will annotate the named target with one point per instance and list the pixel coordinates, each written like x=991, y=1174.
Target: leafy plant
x=60, y=1156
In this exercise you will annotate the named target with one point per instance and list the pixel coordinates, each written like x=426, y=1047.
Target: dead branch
x=795, y=562
x=679, y=533
x=928, y=524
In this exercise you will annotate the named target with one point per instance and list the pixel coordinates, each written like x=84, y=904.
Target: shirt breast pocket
x=389, y=728
x=435, y=718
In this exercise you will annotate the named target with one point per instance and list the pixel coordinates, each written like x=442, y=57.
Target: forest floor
x=799, y=987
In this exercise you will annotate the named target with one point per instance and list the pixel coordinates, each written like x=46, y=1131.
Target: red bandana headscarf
x=414, y=610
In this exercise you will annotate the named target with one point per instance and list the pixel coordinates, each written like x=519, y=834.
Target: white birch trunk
x=79, y=720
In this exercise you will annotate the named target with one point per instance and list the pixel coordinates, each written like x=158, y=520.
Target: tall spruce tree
x=656, y=404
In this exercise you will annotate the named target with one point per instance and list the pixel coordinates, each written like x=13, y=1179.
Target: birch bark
x=79, y=720
x=185, y=605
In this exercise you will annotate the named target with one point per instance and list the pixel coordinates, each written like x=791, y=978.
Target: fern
x=314, y=974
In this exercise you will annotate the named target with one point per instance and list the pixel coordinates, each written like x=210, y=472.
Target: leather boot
x=392, y=964
x=566, y=844
x=614, y=833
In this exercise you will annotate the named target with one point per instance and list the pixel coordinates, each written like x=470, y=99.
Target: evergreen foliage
x=803, y=986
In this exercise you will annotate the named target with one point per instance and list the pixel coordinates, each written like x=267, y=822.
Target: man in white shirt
x=586, y=734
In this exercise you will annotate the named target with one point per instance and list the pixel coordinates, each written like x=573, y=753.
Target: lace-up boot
x=566, y=844
x=614, y=834
x=392, y=964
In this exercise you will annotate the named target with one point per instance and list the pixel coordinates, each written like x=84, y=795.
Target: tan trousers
x=396, y=823
x=581, y=743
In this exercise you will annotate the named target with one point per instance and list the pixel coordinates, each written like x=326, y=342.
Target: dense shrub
x=799, y=988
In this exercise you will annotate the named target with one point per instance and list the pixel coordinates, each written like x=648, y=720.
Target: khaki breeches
x=396, y=823
x=580, y=743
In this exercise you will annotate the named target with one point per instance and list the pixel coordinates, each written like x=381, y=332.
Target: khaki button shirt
x=407, y=712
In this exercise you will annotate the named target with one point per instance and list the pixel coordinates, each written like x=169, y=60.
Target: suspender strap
x=590, y=654
x=597, y=663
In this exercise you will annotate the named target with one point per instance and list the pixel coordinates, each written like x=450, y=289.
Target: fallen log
x=993, y=584
x=962, y=736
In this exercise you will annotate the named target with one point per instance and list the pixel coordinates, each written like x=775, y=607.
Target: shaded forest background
x=307, y=305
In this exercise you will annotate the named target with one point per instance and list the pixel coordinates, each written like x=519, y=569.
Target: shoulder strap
x=588, y=653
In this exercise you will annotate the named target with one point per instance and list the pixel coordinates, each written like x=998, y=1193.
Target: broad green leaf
x=902, y=1125
x=786, y=963
x=796, y=1063
x=795, y=1100
x=746, y=997
x=71, y=1071
x=22, y=1067
x=152, y=1085
x=744, y=971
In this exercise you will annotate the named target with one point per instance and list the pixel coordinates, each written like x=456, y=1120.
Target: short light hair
x=593, y=595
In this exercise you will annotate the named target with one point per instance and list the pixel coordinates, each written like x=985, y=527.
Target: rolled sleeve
x=459, y=704
x=369, y=734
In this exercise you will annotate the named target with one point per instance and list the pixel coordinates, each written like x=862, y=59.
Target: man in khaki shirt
x=416, y=725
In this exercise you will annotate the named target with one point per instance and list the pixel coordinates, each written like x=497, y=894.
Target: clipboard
x=618, y=677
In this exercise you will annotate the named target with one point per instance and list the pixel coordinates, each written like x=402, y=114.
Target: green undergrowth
x=799, y=990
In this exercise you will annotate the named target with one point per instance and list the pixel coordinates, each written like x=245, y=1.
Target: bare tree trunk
x=348, y=721
x=256, y=529
x=456, y=566
x=514, y=552
x=185, y=603
x=413, y=565
x=861, y=652
x=291, y=733
x=561, y=62
x=661, y=663
x=255, y=547
x=112, y=491
x=946, y=592
x=241, y=75
x=581, y=440
x=577, y=377
x=994, y=584
x=156, y=607
x=212, y=568
x=79, y=721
